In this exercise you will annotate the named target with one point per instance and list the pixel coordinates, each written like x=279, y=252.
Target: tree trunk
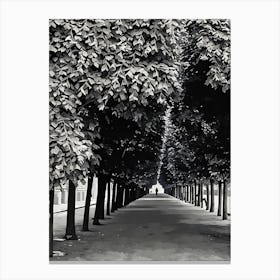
x=102, y=207
x=113, y=207
x=188, y=193
x=201, y=195
x=192, y=197
x=123, y=197
x=225, y=214
x=51, y=200
x=195, y=194
x=120, y=196
x=99, y=209
x=117, y=196
x=70, y=226
x=126, y=196
x=87, y=204
x=207, y=197
x=219, y=198
x=212, y=205
x=108, y=197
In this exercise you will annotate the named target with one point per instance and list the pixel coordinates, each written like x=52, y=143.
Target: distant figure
x=156, y=191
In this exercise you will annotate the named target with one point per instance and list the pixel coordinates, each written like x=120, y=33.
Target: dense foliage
x=198, y=142
x=104, y=73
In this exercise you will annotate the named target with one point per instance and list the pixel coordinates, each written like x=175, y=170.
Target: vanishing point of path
x=153, y=228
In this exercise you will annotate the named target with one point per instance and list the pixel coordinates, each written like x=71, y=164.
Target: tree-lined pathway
x=153, y=228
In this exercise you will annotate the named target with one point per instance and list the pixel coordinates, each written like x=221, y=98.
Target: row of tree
x=197, y=149
x=195, y=194
x=110, y=84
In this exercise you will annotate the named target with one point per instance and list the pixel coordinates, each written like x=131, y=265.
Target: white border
x=24, y=137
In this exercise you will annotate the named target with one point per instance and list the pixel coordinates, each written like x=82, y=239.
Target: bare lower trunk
x=207, y=197
x=70, y=226
x=117, y=205
x=198, y=194
x=99, y=209
x=108, y=198
x=120, y=196
x=201, y=195
x=212, y=205
x=225, y=214
x=195, y=194
x=113, y=207
x=188, y=193
x=219, y=198
x=87, y=204
x=51, y=200
x=126, y=196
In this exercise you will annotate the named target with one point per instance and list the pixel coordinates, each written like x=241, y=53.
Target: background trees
x=198, y=142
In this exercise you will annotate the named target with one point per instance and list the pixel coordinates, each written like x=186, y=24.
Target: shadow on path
x=153, y=228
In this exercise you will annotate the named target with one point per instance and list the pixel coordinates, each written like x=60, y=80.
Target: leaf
x=101, y=107
x=132, y=97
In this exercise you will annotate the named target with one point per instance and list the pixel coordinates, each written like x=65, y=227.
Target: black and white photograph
x=139, y=139
x=139, y=115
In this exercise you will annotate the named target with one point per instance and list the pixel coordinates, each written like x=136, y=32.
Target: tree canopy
x=103, y=74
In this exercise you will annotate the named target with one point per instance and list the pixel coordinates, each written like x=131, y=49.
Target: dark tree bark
x=219, y=213
x=126, y=196
x=113, y=207
x=99, y=209
x=51, y=200
x=225, y=213
x=201, y=195
x=87, y=203
x=108, y=197
x=195, y=194
x=120, y=192
x=207, y=197
x=102, y=206
x=188, y=193
x=70, y=225
x=117, y=196
x=122, y=197
x=212, y=205
x=192, y=197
